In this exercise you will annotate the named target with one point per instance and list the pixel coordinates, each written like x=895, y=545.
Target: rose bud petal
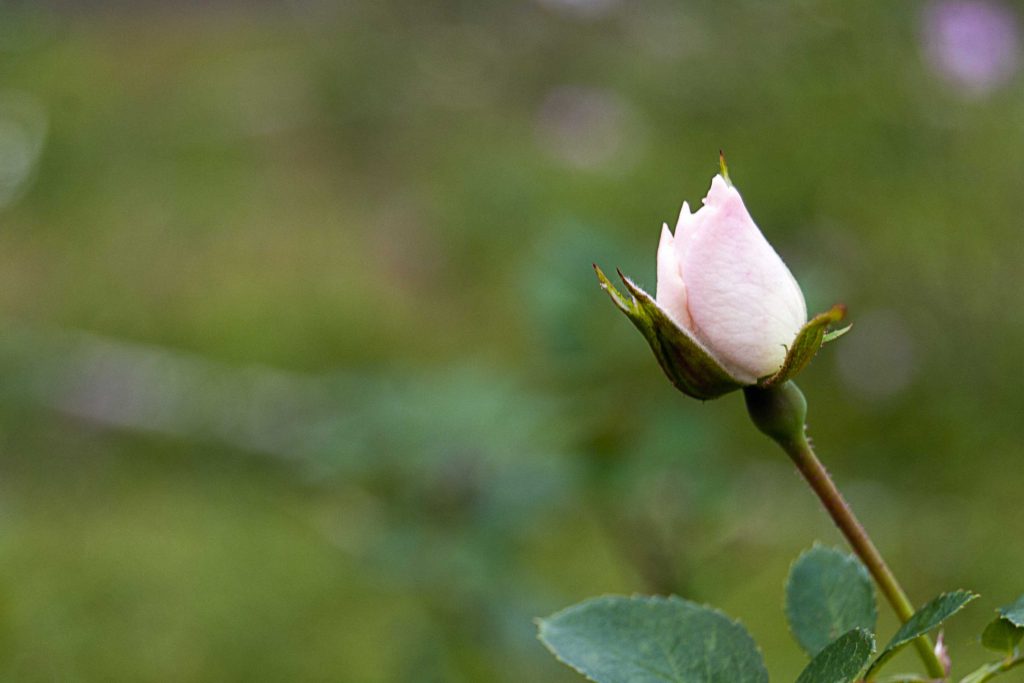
x=738, y=297
x=728, y=312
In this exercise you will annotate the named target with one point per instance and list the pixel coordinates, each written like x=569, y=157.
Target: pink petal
x=671, y=292
x=743, y=302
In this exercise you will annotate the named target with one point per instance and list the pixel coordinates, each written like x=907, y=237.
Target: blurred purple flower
x=974, y=44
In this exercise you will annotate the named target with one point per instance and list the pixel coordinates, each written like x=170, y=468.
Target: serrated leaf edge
x=892, y=647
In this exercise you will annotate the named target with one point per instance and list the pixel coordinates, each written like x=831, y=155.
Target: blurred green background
x=305, y=375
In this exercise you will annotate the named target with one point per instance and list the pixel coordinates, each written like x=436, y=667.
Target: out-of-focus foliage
x=305, y=375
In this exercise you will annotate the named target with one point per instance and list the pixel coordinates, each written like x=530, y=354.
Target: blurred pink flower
x=973, y=44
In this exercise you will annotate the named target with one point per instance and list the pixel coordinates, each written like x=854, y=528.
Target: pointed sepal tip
x=689, y=366
x=809, y=340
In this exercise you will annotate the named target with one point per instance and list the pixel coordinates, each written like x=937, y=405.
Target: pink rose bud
x=728, y=312
x=720, y=280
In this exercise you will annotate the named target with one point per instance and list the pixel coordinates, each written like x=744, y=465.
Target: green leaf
x=1002, y=636
x=618, y=639
x=1014, y=613
x=1005, y=632
x=810, y=338
x=841, y=660
x=828, y=593
x=922, y=621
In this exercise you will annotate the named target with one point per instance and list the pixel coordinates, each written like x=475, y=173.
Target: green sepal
x=810, y=338
x=689, y=366
x=832, y=335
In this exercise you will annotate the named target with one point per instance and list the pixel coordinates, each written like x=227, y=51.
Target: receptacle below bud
x=779, y=411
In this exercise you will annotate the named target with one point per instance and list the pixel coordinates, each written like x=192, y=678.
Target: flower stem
x=817, y=476
x=775, y=411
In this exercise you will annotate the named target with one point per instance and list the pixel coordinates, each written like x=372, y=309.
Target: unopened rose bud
x=728, y=312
